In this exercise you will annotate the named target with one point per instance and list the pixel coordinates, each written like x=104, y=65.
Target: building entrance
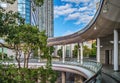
x=107, y=56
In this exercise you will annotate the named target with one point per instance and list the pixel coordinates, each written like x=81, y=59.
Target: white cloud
x=83, y=19
x=79, y=14
x=63, y=7
x=83, y=8
x=76, y=1
x=68, y=32
x=73, y=16
x=63, y=10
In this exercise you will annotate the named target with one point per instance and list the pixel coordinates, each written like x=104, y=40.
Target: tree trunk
x=2, y=53
x=27, y=59
x=24, y=59
x=39, y=57
x=18, y=59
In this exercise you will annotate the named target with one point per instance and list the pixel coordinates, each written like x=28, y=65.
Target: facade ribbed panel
x=46, y=18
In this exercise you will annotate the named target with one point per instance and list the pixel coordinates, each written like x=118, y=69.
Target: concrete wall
x=107, y=45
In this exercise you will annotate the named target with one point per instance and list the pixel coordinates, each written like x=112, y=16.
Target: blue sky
x=72, y=15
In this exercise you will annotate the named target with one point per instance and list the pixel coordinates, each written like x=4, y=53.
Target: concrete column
x=115, y=50
x=71, y=51
x=78, y=56
x=63, y=54
x=63, y=77
x=81, y=52
x=98, y=49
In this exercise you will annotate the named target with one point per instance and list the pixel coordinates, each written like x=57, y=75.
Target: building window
x=24, y=8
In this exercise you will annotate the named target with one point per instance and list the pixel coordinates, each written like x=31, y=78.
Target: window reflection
x=24, y=8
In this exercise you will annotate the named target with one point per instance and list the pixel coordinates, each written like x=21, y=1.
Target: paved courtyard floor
x=109, y=75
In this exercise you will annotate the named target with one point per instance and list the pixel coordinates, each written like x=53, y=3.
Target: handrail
x=90, y=65
x=93, y=78
x=87, y=64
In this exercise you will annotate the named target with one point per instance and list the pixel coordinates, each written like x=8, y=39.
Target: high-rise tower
x=42, y=17
x=46, y=17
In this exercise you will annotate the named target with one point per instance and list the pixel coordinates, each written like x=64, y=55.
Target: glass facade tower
x=42, y=17
x=24, y=8
x=46, y=18
x=38, y=16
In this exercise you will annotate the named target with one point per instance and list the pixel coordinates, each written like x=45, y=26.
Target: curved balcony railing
x=89, y=65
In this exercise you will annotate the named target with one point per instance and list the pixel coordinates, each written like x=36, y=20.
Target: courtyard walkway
x=109, y=75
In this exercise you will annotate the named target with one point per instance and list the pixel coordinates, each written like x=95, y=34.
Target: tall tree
x=22, y=37
x=93, y=50
x=75, y=51
x=86, y=51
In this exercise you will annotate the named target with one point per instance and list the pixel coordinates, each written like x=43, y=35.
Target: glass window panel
x=21, y=12
x=28, y=7
x=22, y=6
x=28, y=10
x=21, y=1
x=28, y=13
x=22, y=15
x=27, y=21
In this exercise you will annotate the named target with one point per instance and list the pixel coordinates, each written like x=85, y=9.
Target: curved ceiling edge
x=60, y=40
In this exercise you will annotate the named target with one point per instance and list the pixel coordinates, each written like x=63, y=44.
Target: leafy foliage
x=75, y=51
x=38, y=2
x=25, y=38
x=93, y=50
x=11, y=74
x=59, y=52
x=86, y=51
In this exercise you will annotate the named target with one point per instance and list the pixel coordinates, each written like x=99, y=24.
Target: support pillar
x=78, y=56
x=63, y=54
x=63, y=77
x=81, y=52
x=98, y=49
x=71, y=50
x=115, y=50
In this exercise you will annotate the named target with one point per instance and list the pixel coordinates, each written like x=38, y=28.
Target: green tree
x=75, y=51
x=93, y=50
x=59, y=52
x=25, y=38
x=86, y=51
x=15, y=35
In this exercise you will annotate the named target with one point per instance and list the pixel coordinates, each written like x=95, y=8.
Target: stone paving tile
x=107, y=79
x=108, y=70
x=116, y=75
